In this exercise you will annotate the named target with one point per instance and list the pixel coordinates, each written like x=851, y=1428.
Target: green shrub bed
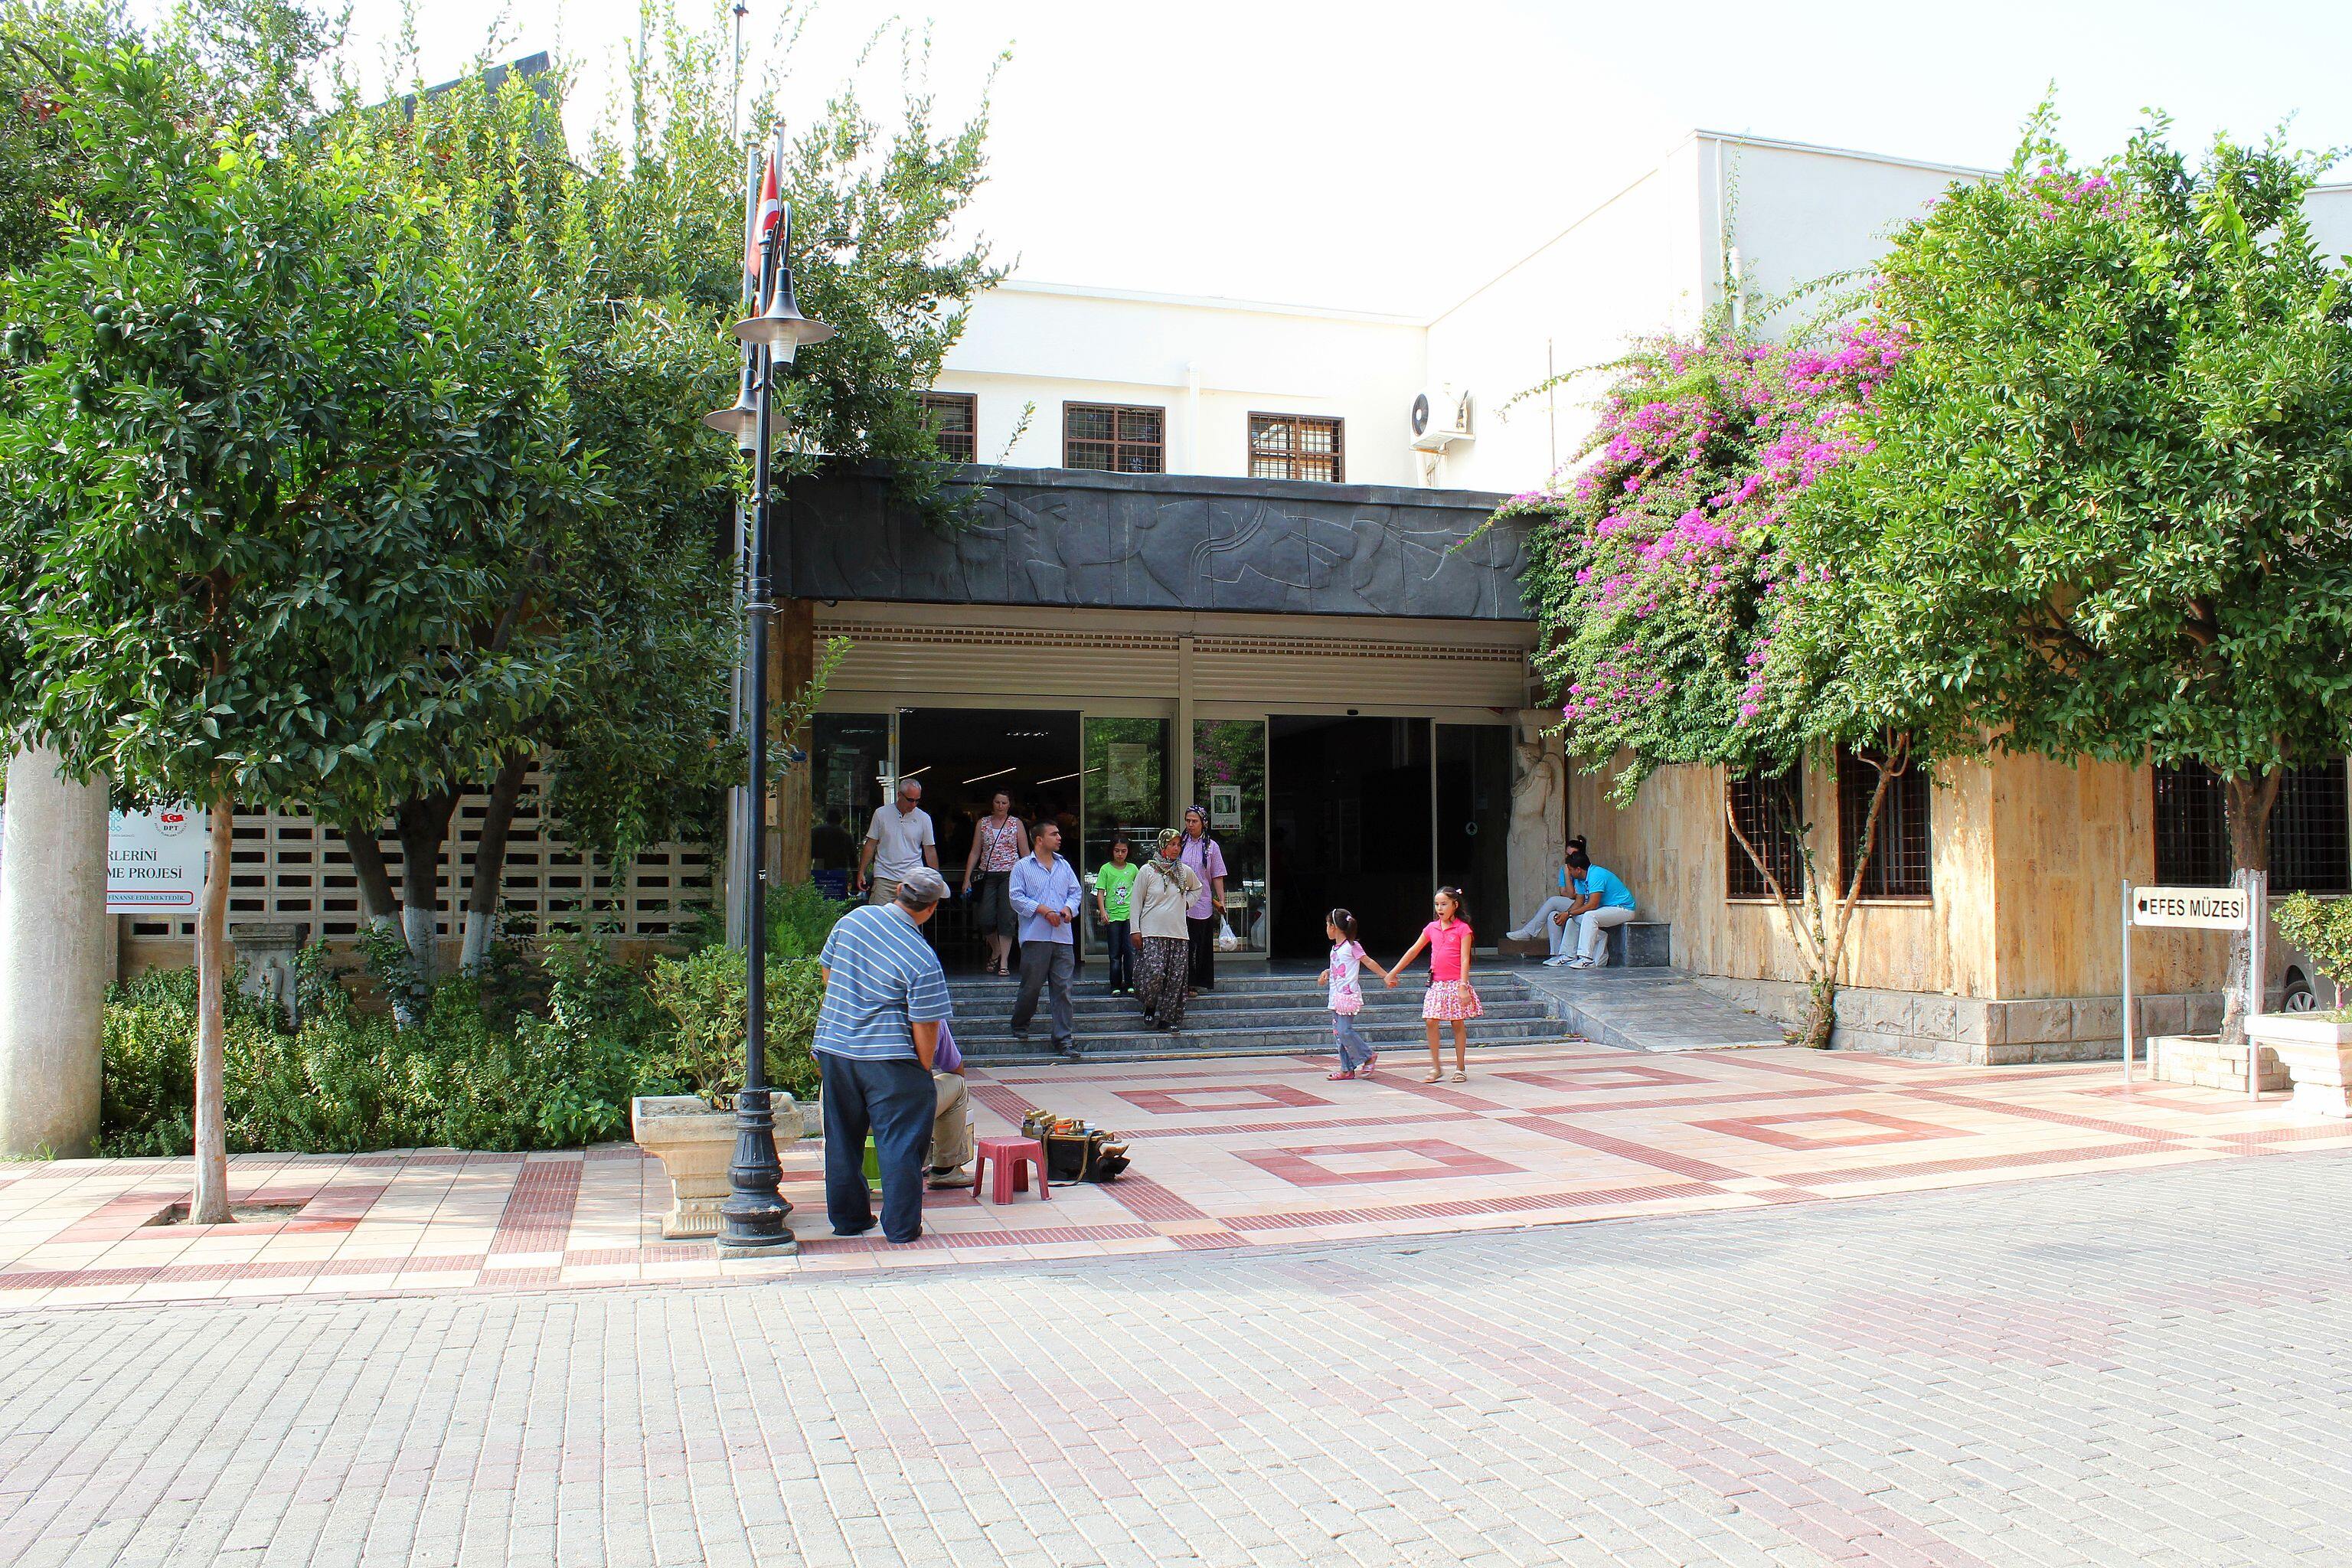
x=541, y=1051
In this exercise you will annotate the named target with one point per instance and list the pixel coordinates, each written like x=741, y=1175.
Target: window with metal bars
x=1295, y=447
x=955, y=424
x=1116, y=439
x=2311, y=830
x=1901, y=863
x=1769, y=808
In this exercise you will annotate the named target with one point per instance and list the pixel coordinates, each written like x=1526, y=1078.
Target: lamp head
x=741, y=419
x=781, y=328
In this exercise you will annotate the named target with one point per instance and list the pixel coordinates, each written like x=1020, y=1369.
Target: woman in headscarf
x=1163, y=891
x=1206, y=911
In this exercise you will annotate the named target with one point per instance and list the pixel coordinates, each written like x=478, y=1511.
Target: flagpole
x=738, y=867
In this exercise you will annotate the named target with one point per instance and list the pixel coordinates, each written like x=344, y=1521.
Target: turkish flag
x=763, y=224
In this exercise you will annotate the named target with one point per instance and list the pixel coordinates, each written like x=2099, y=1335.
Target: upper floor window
x=1766, y=809
x=1117, y=439
x=1901, y=864
x=1294, y=446
x=955, y=424
x=2311, y=830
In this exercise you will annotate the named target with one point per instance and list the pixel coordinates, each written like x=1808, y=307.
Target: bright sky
x=1387, y=155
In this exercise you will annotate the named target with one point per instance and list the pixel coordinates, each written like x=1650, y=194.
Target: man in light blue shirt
x=1046, y=896
x=1600, y=902
x=877, y=1034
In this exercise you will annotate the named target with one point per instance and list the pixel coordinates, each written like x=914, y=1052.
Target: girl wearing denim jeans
x=1346, y=995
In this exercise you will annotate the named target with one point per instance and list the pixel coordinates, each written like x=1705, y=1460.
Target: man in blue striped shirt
x=885, y=997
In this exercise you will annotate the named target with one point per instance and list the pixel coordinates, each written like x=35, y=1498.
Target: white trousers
x=1542, y=925
x=1592, y=932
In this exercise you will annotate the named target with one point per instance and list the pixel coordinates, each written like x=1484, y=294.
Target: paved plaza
x=2144, y=1369
x=1228, y=1154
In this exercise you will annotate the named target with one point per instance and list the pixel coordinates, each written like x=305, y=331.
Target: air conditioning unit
x=1440, y=418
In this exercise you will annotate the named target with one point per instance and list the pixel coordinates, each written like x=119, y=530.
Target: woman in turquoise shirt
x=1600, y=902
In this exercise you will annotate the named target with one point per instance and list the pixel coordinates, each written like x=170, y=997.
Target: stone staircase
x=1249, y=1014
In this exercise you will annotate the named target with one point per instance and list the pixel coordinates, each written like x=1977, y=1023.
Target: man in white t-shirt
x=898, y=841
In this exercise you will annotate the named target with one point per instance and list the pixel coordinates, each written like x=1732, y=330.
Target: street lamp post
x=752, y=1220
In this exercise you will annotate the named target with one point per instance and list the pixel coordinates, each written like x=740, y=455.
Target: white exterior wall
x=1649, y=260
x=1630, y=268
x=1799, y=215
x=1209, y=363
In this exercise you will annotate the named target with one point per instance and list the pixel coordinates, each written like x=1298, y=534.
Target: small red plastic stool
x=1014, y=1156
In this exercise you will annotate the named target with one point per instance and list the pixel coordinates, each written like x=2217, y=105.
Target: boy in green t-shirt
x=1114, y=884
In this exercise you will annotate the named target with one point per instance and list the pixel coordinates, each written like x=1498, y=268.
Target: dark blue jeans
x=897, y=1101
x=1121, y=956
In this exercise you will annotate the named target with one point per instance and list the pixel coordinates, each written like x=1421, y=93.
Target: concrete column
x=53, y=959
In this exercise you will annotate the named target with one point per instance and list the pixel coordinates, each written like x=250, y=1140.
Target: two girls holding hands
x=1449, y=998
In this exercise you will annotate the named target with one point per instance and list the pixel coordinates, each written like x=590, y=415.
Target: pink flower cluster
x=2054, y=190
x=1671, y=534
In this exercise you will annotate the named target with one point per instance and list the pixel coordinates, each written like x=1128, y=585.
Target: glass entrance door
x=1125, y=797
x=1351, y=830
x=1474, y=822
x=1229, y=778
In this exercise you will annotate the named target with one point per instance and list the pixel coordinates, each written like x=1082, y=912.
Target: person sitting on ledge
x=1551, y=918
x=1601, y=902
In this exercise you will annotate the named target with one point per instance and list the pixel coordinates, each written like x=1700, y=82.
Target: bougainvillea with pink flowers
x=1671, y=599
x=1661, y=567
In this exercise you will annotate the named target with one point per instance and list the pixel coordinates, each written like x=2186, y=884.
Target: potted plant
x=2315, y=1047
x=693, y=1135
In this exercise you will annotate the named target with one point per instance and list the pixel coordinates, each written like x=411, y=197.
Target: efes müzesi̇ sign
x=2200, y=909
x=154, y=860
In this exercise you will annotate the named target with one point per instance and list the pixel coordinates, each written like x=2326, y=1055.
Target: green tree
x=628, y=261
x=2100, y=507
x=233, y=395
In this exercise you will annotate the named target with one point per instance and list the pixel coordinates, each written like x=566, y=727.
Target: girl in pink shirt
x=1450, y=998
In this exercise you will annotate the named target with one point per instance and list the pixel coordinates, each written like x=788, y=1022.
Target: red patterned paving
x=1227, y=1154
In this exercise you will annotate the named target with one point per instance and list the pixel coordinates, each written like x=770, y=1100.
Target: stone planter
x=2205, y=1061
x=695, y=1145
x=2317, y=1055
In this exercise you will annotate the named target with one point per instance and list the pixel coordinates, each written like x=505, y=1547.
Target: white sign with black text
x=2199, y=909
x=154, y=860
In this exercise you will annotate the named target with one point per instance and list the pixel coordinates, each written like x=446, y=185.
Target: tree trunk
x=423, y=825
x=208, y=1204
x=377, y=900
x=2249, y=807
x=490, y=861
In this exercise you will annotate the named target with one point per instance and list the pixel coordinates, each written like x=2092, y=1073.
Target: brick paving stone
x=2139, y=1367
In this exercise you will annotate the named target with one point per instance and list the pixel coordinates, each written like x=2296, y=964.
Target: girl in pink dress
x=1450, y=998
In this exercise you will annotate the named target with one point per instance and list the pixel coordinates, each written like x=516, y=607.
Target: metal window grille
x=2311, y=830
x=2192, y=828
x=1769, y=808
x=1115, y=439
x=295, y=870
x=1295, y=447
x=2311, y=838
x=955, y=424
x=1901, y=863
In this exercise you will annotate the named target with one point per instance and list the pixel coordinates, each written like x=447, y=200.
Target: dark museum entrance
x=964, y=756
x=1372, y=815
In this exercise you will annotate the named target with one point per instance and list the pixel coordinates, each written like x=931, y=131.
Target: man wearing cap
x=877, y=1035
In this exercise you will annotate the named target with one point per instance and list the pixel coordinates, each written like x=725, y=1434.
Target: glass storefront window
x=1125, y=763
x=1229, y=778
x=848, y=753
